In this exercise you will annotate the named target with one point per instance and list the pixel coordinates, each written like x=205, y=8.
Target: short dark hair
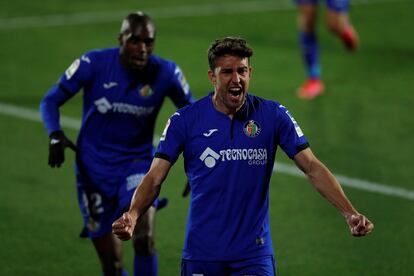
x=234, y=46
x=135, y=19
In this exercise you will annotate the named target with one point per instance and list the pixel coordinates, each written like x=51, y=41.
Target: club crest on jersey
x=251, y=128
x=93, y=225
x=146, y=91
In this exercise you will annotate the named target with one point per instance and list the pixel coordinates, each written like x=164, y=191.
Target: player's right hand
x=123, y=227
x=57, y=144
x=359, y=225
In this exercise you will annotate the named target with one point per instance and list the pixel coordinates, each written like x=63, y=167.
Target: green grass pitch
x=362, y=128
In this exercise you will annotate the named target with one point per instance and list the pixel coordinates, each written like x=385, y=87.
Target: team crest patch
x=145, y=91
x=93, y=225
x=251, y=128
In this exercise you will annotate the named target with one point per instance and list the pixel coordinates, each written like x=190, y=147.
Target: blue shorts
x=259, y=266
x=335, y=5
x=105, y=193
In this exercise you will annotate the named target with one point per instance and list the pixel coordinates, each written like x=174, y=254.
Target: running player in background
x=338, y=23
x=124, y=88
x=229, y=140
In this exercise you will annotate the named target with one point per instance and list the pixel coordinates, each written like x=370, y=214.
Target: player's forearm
x=49, y=108
x=50, y=116
x=144, y=196
x=327, y=185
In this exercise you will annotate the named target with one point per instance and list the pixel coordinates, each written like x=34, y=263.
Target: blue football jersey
x=229, y=164
x=119, y=107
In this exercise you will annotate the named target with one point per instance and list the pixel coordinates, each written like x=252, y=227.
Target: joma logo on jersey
x=252, y=156
x=103, y=106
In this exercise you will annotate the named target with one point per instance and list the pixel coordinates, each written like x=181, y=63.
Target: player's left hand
x=359, y=225
x=57, y=144
x=124, y=227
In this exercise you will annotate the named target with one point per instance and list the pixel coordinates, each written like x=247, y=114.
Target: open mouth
x=235, y=92
x=140, y=60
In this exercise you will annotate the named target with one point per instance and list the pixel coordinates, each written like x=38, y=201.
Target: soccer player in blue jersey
x=338, y=22
x=229, y=140
x=124, y=88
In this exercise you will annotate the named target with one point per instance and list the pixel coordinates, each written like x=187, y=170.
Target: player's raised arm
x=143, y=197
x=327, y=185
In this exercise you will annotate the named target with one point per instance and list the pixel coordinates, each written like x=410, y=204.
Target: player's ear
x=250, y=71
x=212, y=76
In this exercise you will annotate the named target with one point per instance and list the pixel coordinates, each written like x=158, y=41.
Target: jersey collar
x=244, y=112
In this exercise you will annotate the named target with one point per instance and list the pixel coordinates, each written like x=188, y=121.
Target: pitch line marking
x=83, y=18
x=72, y=123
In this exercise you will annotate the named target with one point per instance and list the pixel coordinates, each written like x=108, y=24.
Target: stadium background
x=362, y=128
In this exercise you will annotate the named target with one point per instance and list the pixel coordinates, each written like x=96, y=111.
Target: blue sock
x=145, y=265
x=310, y=54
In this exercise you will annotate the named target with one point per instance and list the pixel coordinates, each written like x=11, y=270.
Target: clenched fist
x=359, y=225
x=123, y=227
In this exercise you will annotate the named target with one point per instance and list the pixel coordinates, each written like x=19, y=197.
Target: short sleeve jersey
x=119, y=107
x=229, y=163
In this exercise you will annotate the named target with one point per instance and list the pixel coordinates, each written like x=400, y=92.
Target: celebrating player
x=124, y=88
x=229, y=140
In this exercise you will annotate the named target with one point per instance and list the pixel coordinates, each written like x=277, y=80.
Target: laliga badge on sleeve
x=164, y=133
x=298, y=130
x=72, y=69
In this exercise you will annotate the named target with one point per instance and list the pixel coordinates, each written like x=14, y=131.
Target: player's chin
x=138, y=65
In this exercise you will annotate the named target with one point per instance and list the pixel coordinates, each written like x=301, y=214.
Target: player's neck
x=223, y=108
